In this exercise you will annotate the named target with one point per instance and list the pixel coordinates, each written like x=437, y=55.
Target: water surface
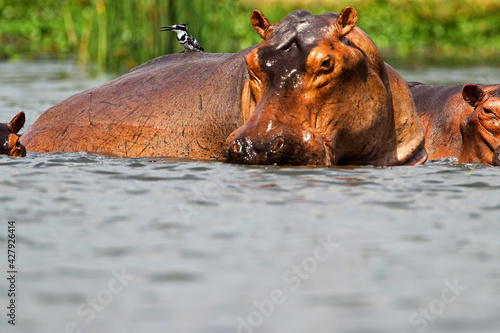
x=170, y=245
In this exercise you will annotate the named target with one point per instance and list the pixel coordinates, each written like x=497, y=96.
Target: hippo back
x=182, y=105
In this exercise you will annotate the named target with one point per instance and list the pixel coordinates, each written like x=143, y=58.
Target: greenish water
x=169, y=245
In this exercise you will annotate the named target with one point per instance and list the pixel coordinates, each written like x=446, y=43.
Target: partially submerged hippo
x=321, y=94
x=315, y=91
x=183, y=104
x=460, y=121
x=9, y=139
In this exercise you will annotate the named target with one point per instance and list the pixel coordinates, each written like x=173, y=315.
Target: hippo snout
x=245, y=150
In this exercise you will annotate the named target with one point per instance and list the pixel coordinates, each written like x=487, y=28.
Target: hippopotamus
x=461, y=122
x=181, y=105
x=9, y=139
x=315, y=91
x=321, y=94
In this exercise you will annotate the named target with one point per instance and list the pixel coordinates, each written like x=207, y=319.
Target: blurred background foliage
x=111, y=35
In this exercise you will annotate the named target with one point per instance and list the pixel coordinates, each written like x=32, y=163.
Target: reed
x=120, y=35
x=109, y=35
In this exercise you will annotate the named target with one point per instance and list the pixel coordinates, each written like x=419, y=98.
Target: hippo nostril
x=238, y=146
x=277, y=144
x=261, y=151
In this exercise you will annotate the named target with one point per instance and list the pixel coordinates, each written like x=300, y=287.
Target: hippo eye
x=348, y=42
x=18, y=144
x=326, y=64
x=487, y=111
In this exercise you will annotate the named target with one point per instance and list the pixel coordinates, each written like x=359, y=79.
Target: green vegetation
x=118, y=35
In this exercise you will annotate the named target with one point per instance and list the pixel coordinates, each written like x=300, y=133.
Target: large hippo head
x=319, y=93
x=9, y=139
x=481, y=128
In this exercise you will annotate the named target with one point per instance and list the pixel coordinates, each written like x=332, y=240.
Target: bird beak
x=168, y=28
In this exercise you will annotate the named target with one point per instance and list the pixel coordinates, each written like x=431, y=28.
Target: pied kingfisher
x=187, y=41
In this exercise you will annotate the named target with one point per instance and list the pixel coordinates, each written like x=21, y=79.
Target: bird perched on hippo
x=188, y=42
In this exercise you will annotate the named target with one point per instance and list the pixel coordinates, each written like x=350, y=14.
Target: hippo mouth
x=279, y=149
x=491, y=141
x=245, y=151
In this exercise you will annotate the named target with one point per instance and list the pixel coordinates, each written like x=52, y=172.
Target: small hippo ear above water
x=472, y=94
x=346, y=22
x=17, y=122
x=260, y=23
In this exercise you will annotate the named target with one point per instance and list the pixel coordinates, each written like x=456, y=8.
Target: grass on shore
x=107, y=35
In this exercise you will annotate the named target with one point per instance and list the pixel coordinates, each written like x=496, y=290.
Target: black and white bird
x=187, y=41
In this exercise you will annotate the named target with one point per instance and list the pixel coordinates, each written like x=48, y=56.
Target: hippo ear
x=247, y=101
x=346, y=22
x=260, y=23
x=472, y=94
x=17, y=122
